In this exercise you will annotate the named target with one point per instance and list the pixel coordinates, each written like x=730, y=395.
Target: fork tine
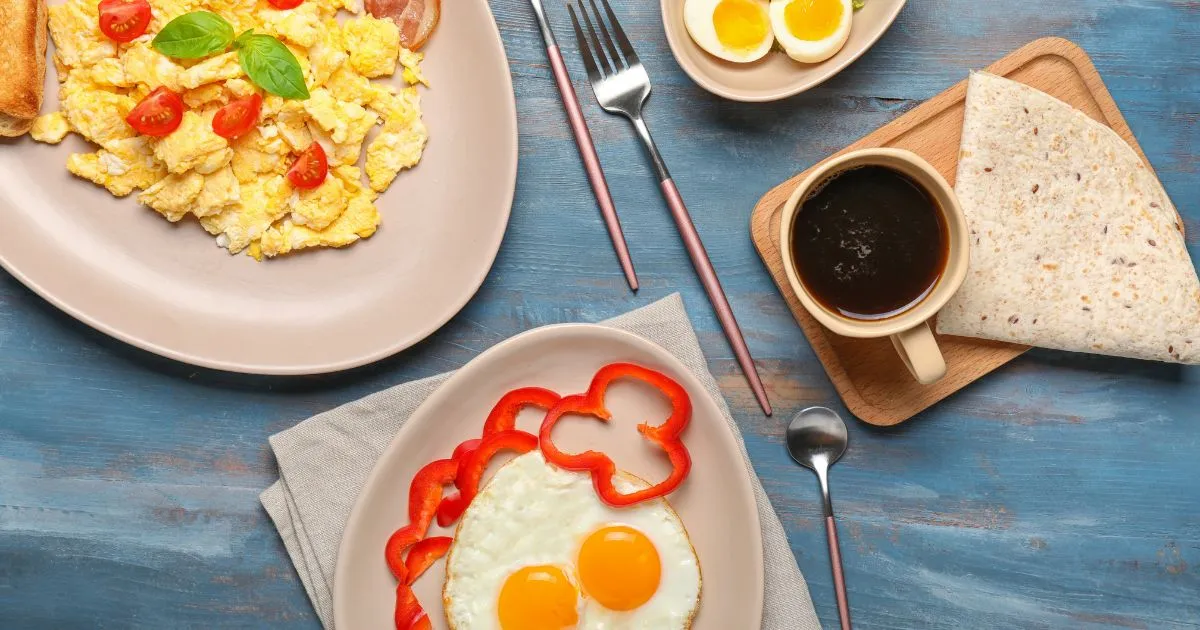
x=589, y=63
x=631, y=57
x=608, y=41
x=595, y=39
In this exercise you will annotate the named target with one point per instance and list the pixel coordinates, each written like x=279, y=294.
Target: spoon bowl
x=817, y=436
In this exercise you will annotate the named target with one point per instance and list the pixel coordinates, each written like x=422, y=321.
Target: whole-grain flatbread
x=1074, y=243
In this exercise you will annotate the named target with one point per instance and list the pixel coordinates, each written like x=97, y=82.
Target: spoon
x=816, y=439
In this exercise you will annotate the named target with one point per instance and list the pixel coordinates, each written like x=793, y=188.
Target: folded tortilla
x=1074, y=243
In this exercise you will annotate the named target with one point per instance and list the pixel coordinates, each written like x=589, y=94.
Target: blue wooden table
x=1061, y=491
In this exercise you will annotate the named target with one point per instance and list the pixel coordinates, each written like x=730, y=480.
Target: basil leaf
x=194, y=35
x=270, y=65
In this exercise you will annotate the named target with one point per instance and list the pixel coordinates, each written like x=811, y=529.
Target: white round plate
x=122, y=269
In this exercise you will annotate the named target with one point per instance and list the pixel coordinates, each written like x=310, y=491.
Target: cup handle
x=920, y=354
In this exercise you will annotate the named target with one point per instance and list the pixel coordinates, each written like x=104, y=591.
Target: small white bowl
x=775, y=76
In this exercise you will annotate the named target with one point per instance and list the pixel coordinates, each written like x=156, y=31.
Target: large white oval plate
x=716, y=502
x=122, y=269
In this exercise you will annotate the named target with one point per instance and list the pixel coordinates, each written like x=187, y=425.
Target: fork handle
x=591, y=163
x=712, y=286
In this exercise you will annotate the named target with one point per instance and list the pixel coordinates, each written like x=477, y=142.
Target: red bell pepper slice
x=425, y=491
x=393, y=551
x=424, y=495
x=424, y=553
x=601, y=467
x=471, y=471
x=465, y=448
x=408, y=610
x=503, y=417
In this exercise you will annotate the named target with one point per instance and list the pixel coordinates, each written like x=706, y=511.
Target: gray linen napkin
x=325, y=460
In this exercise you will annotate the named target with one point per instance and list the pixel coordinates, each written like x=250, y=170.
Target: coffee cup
x=874, y=243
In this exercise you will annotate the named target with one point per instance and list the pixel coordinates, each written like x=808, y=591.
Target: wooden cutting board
x=867, y=373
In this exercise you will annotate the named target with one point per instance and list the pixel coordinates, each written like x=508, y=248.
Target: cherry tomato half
x=310, y=168
x=285, y=4
x=237, y=117
x=124, y=20
x=158, y=114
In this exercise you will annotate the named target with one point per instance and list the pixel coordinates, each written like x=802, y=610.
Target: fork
x=621, y=86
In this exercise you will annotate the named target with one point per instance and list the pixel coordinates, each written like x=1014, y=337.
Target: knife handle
x=591, y=163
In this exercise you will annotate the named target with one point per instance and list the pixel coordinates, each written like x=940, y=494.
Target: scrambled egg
x=237, y=189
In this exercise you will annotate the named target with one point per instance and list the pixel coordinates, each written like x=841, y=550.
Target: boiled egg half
x=733, y=30
x=811, y=31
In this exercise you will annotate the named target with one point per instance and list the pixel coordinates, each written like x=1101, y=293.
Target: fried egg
x=733, y=30
x=811, y=31
x=537, y=549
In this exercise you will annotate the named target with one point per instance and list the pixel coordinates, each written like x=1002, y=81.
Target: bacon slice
x=416, y=18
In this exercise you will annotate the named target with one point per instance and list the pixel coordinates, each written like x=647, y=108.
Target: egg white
x=698, y=18
x=532, y=513
x=810, y=51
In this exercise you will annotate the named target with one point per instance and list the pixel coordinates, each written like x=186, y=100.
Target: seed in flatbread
x=1087, y=308
x=1035, y=320
x=1170, y=349
x=1077, y=176
x=1106, y=229
x=1152, y=243
x=983, y=318
x=987, y=169
x=1035, y=131
x=1153, y=204
x=1013, y=319
x=1035, y=188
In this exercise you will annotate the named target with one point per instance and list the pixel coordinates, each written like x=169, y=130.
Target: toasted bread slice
x=23, y=60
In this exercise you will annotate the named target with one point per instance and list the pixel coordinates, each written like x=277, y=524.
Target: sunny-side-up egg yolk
x=538, y=598
x=811, y=31
x=733, y=30
x=619, y=567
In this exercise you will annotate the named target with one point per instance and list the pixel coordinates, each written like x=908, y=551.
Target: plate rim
x=275, y=369
x=797, y=88
x=467, y=372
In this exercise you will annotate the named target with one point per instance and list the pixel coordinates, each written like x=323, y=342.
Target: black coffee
x=869, y=243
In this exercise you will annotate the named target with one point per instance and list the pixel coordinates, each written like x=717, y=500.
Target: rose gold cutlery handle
x=712, y=286
x=839, y=580
x=591, y=162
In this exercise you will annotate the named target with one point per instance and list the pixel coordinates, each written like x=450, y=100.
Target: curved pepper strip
x=424, y=553
x=503, y=417
x=471, y=471
x=424, y=495
x=408, y=610
x=601, y=467
x=465, y=448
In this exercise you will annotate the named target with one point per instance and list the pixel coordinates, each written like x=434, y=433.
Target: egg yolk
x=813, y=20
x=619, y=567
x=538, y=598
x=740, y=23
